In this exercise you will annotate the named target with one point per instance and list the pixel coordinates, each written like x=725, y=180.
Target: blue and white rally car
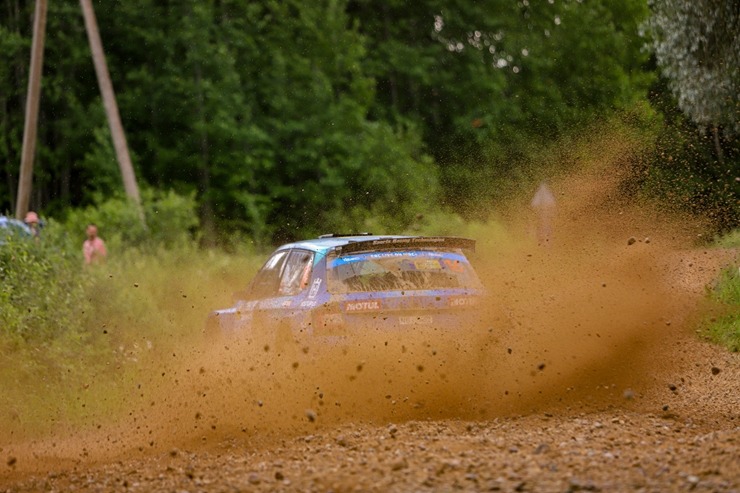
x=327, y=289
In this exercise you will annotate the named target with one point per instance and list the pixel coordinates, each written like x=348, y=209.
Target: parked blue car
x=13, y=227
x=322, y=291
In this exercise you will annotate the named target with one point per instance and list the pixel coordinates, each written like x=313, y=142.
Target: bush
x=62, y=324
x=170, y=220
x=43, y=289
x=90, y=335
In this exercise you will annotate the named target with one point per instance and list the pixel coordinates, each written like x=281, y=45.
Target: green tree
x=487, y=81
x=697, y=46
x=697, y=157
x=287, y=117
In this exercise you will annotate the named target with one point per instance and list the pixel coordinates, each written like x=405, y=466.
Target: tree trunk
x=111, y=107
x=32, y=110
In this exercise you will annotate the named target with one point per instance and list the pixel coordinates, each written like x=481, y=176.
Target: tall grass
x=724, y=328
x=130, y=312
x=72, y=339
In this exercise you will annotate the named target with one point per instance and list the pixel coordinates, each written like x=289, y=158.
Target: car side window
x=267, y=281
x=296, y=273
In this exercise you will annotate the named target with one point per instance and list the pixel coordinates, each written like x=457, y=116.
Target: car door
x=280, y=305
x=264, y=286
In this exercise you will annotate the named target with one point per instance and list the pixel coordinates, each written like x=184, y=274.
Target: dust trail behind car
x=570, y=323
x=573, y=323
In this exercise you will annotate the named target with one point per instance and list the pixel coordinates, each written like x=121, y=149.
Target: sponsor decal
x=454, y=265
x=314, y=288
x=418, y=320
x=460, y=301
x=362, y=306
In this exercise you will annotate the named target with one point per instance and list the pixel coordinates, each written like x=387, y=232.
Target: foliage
x=73, y=336
x=280, y=140
x=43, y=290
x=292, y=118
x=686, y=169
x=696, y=158
x=697, y=46
x=170, y=220
x=488, y=83
x=725, y=328
x=61, y=322
x=694, y=163
x=46, y=295
x=729, y=240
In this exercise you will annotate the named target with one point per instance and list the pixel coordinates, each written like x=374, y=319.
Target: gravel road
x=680, y=433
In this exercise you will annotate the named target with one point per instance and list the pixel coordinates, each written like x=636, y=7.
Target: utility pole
x=111, y=108
x=32, y=110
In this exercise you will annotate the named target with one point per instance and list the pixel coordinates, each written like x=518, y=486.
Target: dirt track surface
x=682, y=433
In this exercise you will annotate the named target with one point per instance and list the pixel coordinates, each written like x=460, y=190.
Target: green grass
x=724, y=328
x=725, y=331
x=730, y=240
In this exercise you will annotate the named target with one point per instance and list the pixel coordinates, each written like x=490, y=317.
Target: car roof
x=325, y=243
x=365, y=242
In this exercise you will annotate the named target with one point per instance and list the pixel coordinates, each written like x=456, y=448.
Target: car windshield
x=400, y=271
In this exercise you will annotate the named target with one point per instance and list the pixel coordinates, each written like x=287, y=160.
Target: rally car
x=325, y=290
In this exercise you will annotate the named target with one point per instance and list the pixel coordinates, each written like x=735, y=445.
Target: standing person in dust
x=543, y=204
x=94, y=247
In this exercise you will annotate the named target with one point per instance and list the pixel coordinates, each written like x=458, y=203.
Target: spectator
x=543, y=204
x=94, y=247
x=32, y=221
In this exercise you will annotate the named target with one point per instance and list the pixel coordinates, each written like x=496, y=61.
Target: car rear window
x=400, y=271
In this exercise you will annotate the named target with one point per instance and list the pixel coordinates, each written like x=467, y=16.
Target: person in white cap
x=543, y=204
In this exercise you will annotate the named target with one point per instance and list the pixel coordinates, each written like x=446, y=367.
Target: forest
x=279, y=119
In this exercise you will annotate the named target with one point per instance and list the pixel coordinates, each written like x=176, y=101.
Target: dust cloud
x=573, y=322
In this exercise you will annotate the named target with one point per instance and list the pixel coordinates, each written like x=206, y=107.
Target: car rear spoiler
x=408, y=243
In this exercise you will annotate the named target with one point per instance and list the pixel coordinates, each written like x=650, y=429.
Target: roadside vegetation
x=724, y=327
x=75, y=340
